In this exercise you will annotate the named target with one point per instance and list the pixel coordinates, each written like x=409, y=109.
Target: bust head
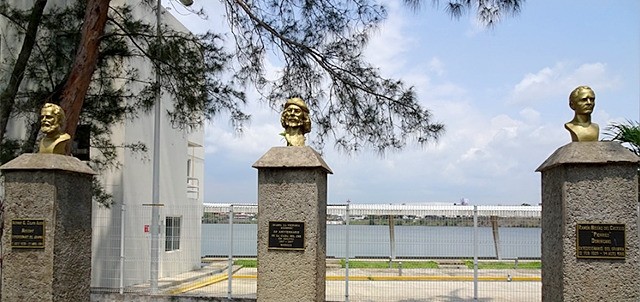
x=296, y=122
x=296, y=115
x=582, y=100
x=51, y=121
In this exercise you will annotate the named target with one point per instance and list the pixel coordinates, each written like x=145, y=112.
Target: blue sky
x=502, y=94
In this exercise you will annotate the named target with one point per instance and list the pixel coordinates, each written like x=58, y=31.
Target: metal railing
x=374, y=252
x=452, y=237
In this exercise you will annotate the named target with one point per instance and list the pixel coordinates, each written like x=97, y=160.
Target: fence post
x=475, y=253
x=121, y=273
x=154, y=254
x=496, y=235
x=230, y=261
x=392, y=240
x=346, y=261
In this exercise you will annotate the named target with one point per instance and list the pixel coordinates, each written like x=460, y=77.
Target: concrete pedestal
x=592, y=186
x=292, y=201
x=46, y=244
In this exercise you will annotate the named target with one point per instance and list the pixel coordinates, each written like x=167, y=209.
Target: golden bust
x=51, y=121
x=296, y=122
x=582, y=100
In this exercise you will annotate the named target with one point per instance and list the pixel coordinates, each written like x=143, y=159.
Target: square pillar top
x=47, y=161
x=589, y=153
x=292, y=157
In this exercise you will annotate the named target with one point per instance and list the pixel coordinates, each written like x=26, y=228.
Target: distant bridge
x=399, y=209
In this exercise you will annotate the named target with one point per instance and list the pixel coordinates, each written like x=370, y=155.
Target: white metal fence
x=377, y=253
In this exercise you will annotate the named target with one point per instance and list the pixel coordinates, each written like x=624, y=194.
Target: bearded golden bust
x=51, y=122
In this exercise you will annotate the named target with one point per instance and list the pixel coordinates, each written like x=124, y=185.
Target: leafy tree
x=320, y=42
x=51, y=69
x=628, y=134
x=7, y=98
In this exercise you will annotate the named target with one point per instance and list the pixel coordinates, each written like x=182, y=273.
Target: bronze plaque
x=286, y=235
x=600, y=241
x=27, y=233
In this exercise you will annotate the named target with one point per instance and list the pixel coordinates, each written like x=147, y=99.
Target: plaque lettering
x=27, y=234
x=286, y=235
x=600, y=241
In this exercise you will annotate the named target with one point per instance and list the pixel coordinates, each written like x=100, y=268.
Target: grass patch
x=246, y=262
x=504, y=264
x=385, y=264
x=417, y=264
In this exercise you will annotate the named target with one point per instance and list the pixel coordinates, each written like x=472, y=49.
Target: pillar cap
x=589, y=153
x=292, y=157
x=44, y=161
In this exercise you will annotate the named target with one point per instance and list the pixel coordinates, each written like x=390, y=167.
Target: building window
x=172, y=231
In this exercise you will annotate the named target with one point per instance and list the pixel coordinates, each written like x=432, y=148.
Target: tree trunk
x=8, y=96
x=29, y=143
x=75, y=89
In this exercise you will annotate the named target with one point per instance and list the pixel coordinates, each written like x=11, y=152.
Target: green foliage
x=9, y=149
x=488, y=12
x=417, y=264
x=385, y=264
x=110, y=98
x=320, y=42
x=505, y=264
x=628, y=134
x=209, y=217
x=190, y=68
x=100, y=195
x=246, y=262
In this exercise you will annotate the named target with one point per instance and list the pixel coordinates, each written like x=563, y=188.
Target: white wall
x=137, y=186
x=119, y=235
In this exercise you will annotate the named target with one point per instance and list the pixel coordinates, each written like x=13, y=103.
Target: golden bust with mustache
x=296, y=122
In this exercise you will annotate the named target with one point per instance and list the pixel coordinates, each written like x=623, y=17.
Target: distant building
x=121, y=233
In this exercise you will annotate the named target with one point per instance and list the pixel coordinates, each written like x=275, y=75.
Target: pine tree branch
x=8, y=96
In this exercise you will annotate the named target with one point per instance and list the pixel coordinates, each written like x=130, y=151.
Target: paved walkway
x=415, y=285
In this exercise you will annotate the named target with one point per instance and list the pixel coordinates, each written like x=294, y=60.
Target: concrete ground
x=410, y=285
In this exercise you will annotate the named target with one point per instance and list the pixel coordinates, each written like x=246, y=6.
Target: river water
x=373, y=241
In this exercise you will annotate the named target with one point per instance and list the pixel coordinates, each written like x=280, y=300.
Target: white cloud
x=436, y=66
x=530, y=115
x=386, y=46
x=478, y=152
x=543, y=77
x=263, y=131
x=559, y=80
x=490, y=149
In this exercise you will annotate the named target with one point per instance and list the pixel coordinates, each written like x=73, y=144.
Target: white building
x=122, y=233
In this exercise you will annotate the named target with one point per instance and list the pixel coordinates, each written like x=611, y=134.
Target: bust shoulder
x=56, y=145
x=582, y=133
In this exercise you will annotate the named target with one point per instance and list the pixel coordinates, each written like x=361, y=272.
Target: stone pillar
x=46, y=240
x=292, y=207
x=590, y=244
